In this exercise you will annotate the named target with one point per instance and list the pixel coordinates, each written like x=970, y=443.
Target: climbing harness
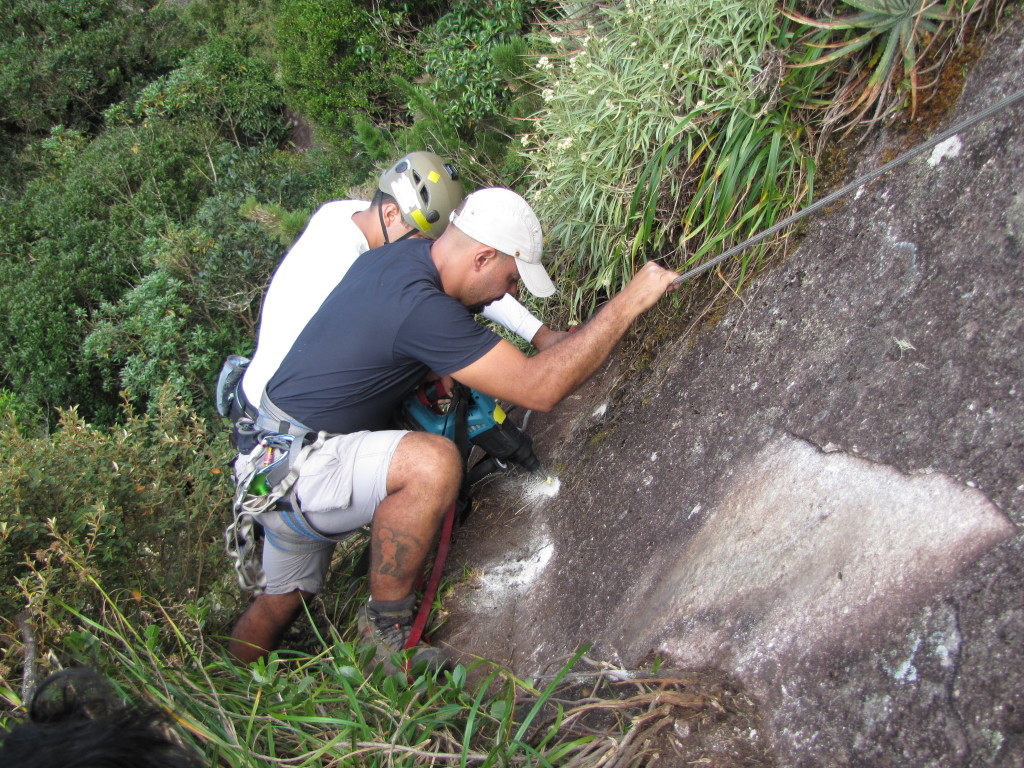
x=266, y=482
x=958, y=128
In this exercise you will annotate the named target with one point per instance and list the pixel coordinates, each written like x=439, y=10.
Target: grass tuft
x=333, y=707
x=667, y=133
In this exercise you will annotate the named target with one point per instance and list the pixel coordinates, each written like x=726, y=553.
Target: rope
x=959, y=127
x=419, y=624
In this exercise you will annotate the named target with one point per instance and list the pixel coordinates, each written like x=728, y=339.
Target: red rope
x=420, y=622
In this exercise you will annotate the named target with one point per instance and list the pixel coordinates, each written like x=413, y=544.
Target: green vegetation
x=328, y=707
x=893, y=37
x=469, y=95
x=63, y=64
x=150, y=182
x=112, y=505
x=659, y=139
x=219, y=85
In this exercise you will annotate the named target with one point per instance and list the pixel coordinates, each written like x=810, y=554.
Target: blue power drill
x=433, y=409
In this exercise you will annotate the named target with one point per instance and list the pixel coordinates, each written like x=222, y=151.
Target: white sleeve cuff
x=509, y=313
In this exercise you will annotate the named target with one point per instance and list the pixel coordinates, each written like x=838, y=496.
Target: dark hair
x=76, y=720
x=382, y=198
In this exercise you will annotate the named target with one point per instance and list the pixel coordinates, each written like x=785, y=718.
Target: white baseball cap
x=503, y=220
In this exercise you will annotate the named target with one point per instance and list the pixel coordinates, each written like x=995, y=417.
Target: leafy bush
x=134, y=507
x=220, y=85
x=165, y=195
x=14, y=410
x=336, y=61
x=473, y=97
x=458, y=53
x=148, y=341
x=77, y=243
x=63, y=63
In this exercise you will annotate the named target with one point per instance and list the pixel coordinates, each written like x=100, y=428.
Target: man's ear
x=483, y=256
x=391, y=213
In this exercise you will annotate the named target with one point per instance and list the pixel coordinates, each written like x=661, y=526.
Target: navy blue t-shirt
x=373, y=339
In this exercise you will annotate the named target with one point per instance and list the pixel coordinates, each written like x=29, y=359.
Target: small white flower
x=555, y=40
x=525, y=139
x=543, y=63
x=592, y=91
x=701, y=104
x=665, y=65
x=548, y=94
x=565, y=143
x=633, y=44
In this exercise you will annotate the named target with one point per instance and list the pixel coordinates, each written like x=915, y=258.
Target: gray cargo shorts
x=339, y=488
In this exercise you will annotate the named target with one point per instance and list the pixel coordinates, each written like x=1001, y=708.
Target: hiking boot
x=388, y=631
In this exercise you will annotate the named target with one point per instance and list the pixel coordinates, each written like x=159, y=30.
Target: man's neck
x=447, y=266
x=367, y=222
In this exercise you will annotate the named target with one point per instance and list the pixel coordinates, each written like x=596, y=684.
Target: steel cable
x=938, y=139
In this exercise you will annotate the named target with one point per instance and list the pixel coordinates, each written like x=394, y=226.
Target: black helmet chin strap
x=377, y=197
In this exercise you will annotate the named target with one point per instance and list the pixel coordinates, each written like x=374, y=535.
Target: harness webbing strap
x=281, y=433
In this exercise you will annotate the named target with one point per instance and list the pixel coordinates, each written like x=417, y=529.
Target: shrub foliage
x=117, y=503
x=336, y=62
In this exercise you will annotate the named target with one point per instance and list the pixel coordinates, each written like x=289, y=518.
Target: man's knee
x=425, y=460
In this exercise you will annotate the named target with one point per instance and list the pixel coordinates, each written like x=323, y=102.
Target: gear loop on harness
x=265, y=483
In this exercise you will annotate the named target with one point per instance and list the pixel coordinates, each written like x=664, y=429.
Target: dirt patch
x=300, y=133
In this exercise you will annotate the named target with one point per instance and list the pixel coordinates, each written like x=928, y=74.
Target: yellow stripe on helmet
x=420, y=219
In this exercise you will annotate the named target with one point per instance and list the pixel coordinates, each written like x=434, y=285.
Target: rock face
x=820, y=495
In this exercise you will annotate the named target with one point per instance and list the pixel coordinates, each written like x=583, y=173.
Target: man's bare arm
x=547, y=337
x=542, y=381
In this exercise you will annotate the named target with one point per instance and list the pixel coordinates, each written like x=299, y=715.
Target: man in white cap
x=401, y=312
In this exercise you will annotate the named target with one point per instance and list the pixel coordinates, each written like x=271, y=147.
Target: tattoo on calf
x=395, y=552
